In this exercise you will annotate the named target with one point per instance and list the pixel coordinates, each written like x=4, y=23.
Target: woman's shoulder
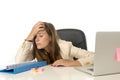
x=65, y=46
x=64, y=42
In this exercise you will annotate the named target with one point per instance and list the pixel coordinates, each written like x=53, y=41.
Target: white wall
x=18, y=16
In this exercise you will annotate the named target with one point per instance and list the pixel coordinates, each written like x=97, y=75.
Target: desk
x=56, y=73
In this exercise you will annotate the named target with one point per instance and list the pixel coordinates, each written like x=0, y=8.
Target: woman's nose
x=37, y=39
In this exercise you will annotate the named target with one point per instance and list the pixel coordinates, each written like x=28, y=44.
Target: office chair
x=76, y=36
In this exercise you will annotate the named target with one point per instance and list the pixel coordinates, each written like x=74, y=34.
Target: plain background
x=17, y=18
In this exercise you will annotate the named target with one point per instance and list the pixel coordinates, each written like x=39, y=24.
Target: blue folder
x=24, y=67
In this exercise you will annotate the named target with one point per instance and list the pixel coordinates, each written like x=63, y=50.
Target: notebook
x=21, y=67
x=107, y=55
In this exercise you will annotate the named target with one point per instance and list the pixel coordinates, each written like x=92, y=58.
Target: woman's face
x=42, y=39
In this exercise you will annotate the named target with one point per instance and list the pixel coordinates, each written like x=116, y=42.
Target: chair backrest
x=76, y=36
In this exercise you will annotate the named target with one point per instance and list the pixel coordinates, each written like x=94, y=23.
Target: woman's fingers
x=40, y=24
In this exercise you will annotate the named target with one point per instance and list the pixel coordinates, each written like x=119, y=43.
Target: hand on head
x=37, y=27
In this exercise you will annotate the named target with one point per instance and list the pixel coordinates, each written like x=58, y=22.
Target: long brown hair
x=54, y=49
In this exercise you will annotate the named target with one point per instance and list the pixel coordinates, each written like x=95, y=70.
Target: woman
x=43, y=44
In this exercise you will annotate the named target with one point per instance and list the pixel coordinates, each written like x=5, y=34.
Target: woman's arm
x=84, y=57
x=24, y=53
x=66, y=62
x=68, y=51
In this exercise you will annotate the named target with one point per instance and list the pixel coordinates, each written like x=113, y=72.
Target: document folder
x=23, y=67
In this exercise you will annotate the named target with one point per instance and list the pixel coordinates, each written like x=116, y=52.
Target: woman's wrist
x=28, y=40
x=30, y=37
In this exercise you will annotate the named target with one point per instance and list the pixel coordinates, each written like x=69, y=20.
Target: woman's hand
x=64, y=62
x=35, y=29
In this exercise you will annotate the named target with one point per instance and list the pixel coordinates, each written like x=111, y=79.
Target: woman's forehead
x=41, y=31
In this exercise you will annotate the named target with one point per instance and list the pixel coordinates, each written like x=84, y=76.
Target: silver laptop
x=107, y=55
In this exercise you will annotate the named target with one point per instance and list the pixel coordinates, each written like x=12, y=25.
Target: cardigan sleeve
x=68, y=51
x=84, y=57
x=24, y=52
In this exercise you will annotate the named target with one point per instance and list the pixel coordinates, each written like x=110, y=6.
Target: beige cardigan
x=68, y=51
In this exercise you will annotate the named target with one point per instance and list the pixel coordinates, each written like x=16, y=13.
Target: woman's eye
x=40, y=35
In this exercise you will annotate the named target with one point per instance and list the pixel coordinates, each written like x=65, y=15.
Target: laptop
x=107, y=55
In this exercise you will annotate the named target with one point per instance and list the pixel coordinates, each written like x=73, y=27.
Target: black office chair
x=76, y=36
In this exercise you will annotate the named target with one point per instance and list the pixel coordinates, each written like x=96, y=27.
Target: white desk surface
x=56, y=73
